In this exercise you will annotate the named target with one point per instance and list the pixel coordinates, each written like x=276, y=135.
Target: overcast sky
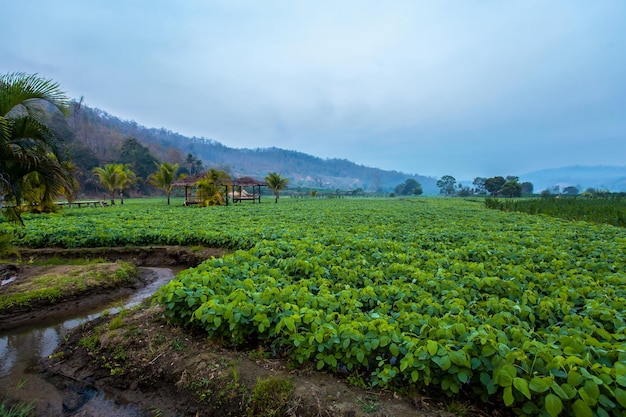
x=467, y=88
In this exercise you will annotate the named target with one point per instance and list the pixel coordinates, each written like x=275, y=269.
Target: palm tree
x=127, y=178
x=109, y=178
x=28, y=147
x=163, y=178
x=276, y=183
x=211, y=190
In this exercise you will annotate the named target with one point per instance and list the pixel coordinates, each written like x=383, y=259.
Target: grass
x=18, y=410
x=270, y=397
x=66, y=282
x=55, y=260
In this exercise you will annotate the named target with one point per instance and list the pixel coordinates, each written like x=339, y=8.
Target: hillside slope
x=95, y=137
x=612, y=178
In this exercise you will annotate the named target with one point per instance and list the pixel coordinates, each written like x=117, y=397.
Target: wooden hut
x=189, y=183
x=239, y=193
x=238, y=188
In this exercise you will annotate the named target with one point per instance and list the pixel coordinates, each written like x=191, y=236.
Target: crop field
x=607, y=210
x=520, y=310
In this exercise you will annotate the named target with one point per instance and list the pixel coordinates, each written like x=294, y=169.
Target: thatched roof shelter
x=190, y=182
x=247, y=182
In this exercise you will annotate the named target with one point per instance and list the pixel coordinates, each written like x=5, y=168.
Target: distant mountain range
x=103, y=133
x=95, y=137
x=611, y=178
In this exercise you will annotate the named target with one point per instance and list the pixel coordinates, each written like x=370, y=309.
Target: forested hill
x=96, y=137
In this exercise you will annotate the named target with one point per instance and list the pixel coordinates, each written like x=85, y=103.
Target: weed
x=90, y=343
x=22, y=383
x=235, y=374
x=457, y=408
x=18, y=410
x=270, y=397
x=358, y=382
x=369, y=404
x=178, y=344
x=259, y=354
x=156, y=412
x=116, y=323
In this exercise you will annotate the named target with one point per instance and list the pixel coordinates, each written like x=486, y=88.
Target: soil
x=138, y=358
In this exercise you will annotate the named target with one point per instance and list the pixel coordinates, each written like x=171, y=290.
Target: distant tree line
x=509, y=186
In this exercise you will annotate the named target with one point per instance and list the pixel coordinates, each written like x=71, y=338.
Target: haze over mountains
x=99, y=134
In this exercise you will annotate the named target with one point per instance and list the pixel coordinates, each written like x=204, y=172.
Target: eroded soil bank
x=145, y=366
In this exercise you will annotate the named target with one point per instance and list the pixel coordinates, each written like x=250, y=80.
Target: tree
x=163, y=178
x=138, y=157
x=109, y=177
x=193, y=165
x=127, y=178
x=28, y=146
x=570, y=190
x=409, y=187
x=446, y=184
x=494, y=184
x=511, y=188
x=211, y=190
x=527, y=188
x=479, y=185
x=276, y=183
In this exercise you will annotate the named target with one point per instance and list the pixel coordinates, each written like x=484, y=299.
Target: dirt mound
x=140, y=358
x=137, y=255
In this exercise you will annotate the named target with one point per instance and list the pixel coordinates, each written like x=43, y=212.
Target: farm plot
x=518, y=309
x=510, y=307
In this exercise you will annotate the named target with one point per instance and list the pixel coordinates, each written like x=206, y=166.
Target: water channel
x=22, y=348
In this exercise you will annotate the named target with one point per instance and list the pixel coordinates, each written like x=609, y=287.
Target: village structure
x=242, y=189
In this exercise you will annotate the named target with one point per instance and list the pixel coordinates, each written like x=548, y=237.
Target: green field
x=520, y=310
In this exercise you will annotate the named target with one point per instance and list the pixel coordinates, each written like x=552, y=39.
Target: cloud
x=443, y=87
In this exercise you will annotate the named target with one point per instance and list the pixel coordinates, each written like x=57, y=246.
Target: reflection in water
x=22, y=348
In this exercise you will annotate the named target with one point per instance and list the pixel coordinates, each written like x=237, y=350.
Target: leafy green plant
x=523, y=311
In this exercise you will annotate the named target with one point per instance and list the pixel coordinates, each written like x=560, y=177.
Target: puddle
x=7, y=281
x=22, y=348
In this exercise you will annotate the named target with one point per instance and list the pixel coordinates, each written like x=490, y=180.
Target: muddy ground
x=137, y=357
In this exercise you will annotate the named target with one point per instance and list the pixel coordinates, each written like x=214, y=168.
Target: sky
x=449, y=87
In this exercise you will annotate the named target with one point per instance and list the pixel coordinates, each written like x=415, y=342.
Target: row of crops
x=520, y=310
x=608, y=210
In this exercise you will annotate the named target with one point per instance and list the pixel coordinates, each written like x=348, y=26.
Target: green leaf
x=360, y=355
x=592, y=389
x=539, y=384
x=414, y=376
x=432, y=347
x=620, y=396
x=217, y=321
x=574, y=378
x=601, y=412
x=443, y=362
x=290, y=324
x=620, y=374
x=394, y=349
x=521, y=385
x=506, y=375
x=581, y=409
x=556, y=388
x=554, y=406
x=459, y=358
x=507, y=396
x=605, y=401
x=570, y=392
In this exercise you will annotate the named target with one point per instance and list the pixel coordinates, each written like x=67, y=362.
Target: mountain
x=95, y=137
x=611, y=178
